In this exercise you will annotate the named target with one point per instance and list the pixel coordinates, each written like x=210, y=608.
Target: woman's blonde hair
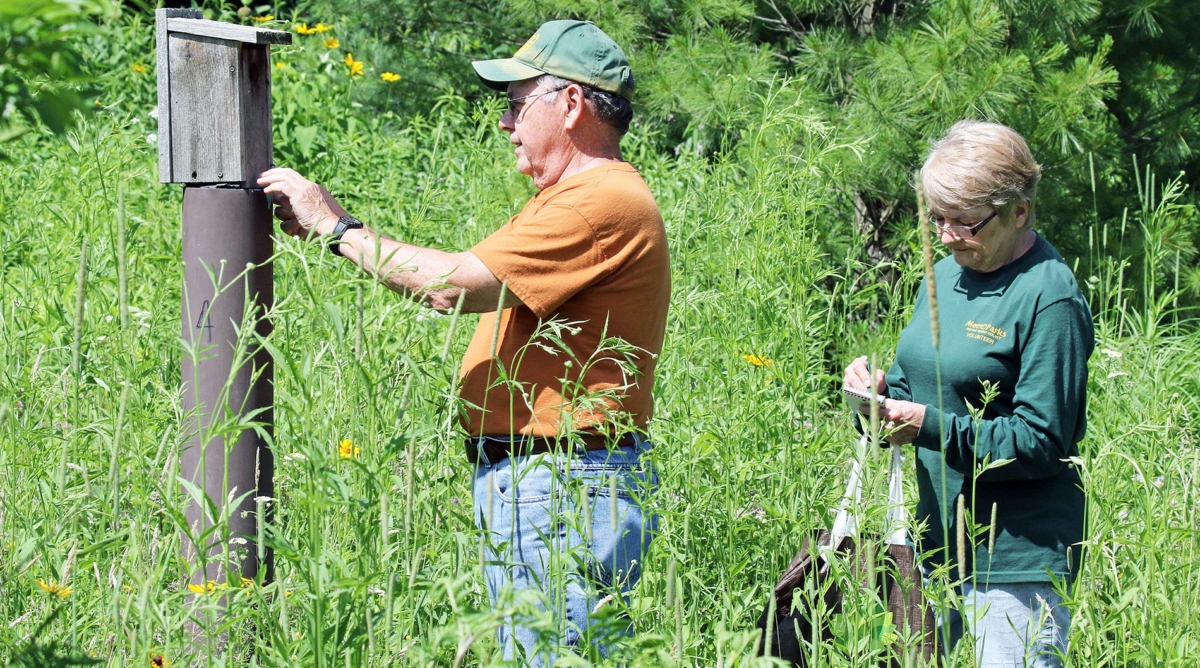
x=979, y=163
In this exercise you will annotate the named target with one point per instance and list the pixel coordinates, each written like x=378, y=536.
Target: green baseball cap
x=573, y=50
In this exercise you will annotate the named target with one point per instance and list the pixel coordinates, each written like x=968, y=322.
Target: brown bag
x=787, y=620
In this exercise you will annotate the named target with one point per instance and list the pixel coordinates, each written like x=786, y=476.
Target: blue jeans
x=568, y=530
x=1014, y=624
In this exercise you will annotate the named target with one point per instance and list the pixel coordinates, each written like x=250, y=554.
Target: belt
x=497, y=448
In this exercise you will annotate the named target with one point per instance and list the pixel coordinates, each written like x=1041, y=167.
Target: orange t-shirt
x=589, y=252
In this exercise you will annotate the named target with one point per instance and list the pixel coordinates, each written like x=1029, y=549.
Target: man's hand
x=302, y=207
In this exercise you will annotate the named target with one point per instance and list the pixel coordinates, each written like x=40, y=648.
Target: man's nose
x=505, y=122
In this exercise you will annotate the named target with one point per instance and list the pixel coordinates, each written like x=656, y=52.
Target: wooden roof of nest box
x=214, y=99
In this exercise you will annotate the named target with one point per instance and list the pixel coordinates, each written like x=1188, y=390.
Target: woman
x=1013, y=324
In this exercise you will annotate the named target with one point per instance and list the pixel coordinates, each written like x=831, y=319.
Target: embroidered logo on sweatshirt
x=984, y=332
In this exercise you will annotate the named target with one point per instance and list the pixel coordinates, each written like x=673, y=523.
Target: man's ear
x=576, y=104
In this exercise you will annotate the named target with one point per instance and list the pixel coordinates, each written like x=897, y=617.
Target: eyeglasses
x=960, y=231
x=515, y=109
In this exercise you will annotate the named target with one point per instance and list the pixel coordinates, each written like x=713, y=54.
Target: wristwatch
x=335, y=237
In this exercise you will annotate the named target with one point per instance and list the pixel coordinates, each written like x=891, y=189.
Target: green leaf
x=305, y=136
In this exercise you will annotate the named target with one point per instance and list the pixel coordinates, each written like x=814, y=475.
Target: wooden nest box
x=214, y=99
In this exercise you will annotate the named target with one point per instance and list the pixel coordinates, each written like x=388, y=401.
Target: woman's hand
x=901, y=421
x=860, y=376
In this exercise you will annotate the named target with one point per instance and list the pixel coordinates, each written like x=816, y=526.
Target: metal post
x=227, y=277
x=214, y=131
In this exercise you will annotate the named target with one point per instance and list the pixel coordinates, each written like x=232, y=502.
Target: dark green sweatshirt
x=1026, y=328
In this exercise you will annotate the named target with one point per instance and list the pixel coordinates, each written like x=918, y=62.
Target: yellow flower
x=138, y=67
x=332, y=43
x=390, y=77
x=356, y=66
x=303, y=29
x=321, y=27
x=347, y=449
x=280, y=65
x=206, y=588
x=59, y=590
x=264, y=19
x=248, y=585
x=758, y=360
x=158, y=661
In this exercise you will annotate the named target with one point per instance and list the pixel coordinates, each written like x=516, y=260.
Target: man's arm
x=432, y=277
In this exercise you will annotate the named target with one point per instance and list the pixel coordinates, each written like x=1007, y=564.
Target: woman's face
x=999, y=241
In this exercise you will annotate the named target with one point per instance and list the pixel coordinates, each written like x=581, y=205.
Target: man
x=556, y=384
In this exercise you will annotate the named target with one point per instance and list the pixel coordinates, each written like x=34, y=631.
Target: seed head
x=927, y=254
x=960, y=527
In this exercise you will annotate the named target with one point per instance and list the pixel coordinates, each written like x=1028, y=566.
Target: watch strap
x=344, y=223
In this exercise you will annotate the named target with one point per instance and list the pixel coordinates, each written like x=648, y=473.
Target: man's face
x=534, y=123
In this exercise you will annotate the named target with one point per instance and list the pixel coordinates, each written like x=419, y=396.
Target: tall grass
x=378, y=561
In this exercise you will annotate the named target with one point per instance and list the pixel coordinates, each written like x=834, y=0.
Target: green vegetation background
x=778, y=138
